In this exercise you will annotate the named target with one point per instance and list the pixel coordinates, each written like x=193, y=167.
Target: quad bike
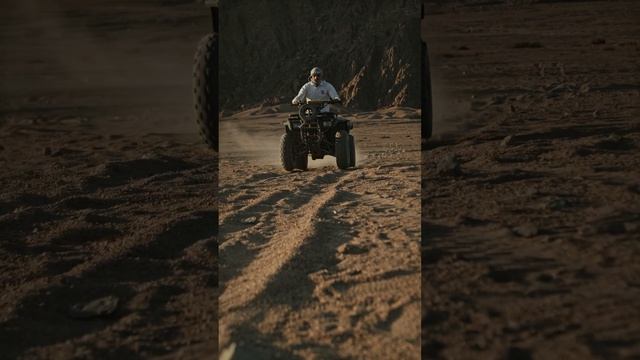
x=206, y=91
x=316, y=133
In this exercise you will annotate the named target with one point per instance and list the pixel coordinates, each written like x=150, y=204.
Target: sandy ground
x=531, y=233
x=323, y=263
x=106, y=189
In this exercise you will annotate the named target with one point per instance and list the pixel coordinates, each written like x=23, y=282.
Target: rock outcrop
x=369, y=51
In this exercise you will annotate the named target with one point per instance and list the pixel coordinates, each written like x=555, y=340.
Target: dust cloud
x=450, y=110
x=236, y=138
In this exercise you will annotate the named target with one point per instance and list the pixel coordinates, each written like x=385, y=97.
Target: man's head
x=315, y=75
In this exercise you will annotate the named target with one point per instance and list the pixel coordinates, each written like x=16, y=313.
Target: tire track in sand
x=290, y=231
x=241, y=242
x=335, y=271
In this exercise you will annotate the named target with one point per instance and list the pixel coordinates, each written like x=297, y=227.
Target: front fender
x=344, y=124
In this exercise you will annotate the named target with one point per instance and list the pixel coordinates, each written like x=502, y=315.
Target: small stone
x=614, y=138
x=526, y=230
x=351, y=249
x=584, y=88
x=508, y=140
x=100, y=307
x=413, y=193
x=249, y=220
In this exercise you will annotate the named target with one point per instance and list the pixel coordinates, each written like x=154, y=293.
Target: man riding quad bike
x=315, y=129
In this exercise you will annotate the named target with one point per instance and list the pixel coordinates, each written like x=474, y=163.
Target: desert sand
x=531, y=201
x=107, y=192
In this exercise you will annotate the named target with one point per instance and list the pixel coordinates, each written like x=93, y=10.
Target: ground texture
x=531, y=197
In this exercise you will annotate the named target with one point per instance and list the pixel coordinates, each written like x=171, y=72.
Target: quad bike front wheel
x=287, y=156
x=205, y=89
x=343, y=158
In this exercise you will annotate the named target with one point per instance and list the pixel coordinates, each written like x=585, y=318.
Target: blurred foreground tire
x=205, y=89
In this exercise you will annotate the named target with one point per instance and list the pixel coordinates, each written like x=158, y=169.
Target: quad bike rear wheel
x=343, y=158
x=287, y=157
x=205, y=89
x=352, y=151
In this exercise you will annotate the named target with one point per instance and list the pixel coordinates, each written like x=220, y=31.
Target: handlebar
x=322, y=102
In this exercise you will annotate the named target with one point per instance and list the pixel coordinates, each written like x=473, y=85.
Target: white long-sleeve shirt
x=311, y=91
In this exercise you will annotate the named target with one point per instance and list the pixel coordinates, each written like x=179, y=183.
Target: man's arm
x=333, y=94
x=302, y=94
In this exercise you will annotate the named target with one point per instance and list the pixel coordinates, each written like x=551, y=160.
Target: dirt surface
x=323, y=263
x=531, y=192
x=107, y=192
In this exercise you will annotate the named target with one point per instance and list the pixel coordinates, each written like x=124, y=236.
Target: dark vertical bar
x=425, y=87
x=214, y=18
x=216, y=72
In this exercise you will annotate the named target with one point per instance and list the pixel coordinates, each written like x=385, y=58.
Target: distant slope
x=370, y=52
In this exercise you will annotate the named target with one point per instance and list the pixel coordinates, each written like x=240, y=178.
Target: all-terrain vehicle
x=316, y=133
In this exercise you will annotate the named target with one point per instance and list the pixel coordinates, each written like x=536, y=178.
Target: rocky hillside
x=369, y=51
